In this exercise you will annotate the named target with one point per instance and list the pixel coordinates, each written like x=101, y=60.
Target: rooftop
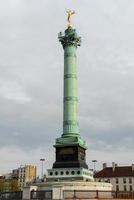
x=117, y=171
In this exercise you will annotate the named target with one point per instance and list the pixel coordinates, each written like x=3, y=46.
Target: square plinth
x=70, y=157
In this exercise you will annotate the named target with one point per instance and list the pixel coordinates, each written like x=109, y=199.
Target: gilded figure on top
x=69, y=13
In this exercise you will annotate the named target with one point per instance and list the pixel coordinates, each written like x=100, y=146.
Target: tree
x=14, y=185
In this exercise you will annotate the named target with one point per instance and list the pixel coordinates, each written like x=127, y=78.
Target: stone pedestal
x=70, y=157
x=26, y=195
x=79, y=189
x=57, y=192
x=69, y=174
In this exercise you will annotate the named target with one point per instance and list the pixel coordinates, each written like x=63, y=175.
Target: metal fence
x=123, y=195
x=41, y=195
x=70, y=195
x=11, y=195
x=85, y=195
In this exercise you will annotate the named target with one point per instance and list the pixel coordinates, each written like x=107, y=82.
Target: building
x=15, y=173
x=121, y=177
x=19, y=178
x=25, y=174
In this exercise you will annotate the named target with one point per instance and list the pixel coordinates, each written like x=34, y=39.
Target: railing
x=85, y=194
x=123, y=195
x=70, y=195
x=11, y=195
x=41, y=195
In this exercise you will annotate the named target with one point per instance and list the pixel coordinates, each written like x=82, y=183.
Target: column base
x=70, y=156
x=69, y=174
x=71, y=139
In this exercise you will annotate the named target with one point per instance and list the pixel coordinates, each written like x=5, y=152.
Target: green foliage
x=14, y=185
x=1, y=186
x=9, y=185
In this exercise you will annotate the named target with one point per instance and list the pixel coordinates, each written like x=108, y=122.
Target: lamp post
x=42, y=160
x=94, y=162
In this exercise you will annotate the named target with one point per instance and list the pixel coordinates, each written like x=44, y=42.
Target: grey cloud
x=31, y=72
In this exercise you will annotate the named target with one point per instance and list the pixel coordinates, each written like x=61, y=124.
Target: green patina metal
x=71, y=136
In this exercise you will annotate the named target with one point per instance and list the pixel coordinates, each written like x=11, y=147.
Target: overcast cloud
x=31, y=71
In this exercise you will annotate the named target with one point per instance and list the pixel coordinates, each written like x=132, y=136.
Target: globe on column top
x=69, y=14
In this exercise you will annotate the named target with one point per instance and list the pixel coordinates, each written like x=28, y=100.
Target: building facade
x=25, y=174
x=121, y=177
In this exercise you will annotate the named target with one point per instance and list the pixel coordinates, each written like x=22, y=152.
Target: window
x=67, y=172
x=124, y=180
x=117, y=188
x=72, y=172
x=130, y=188
x=117, y=181
x=130, y=180
x=125, y=188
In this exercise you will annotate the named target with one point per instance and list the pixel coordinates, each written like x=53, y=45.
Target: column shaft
x=70, y=105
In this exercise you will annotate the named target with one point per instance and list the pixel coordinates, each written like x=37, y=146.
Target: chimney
x=104, y=165
x=132, y=167
x=113, y=166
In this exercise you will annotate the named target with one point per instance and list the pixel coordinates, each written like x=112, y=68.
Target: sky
x=31, y=80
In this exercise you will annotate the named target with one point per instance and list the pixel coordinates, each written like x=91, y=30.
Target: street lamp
x=94, y=161
x=42, y=160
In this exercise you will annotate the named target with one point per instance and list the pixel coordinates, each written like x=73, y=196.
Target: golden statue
x=70, y=13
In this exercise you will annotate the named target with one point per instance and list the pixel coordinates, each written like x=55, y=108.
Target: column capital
x=69, y=38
